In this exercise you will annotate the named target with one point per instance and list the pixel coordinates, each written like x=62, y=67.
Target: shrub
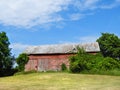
x=63, y=67
x=21, y=61
x=84, y=62
x=108, y=63
x=8, y=72
x=78, y=62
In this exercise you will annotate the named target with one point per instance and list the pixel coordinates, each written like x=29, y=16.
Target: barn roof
x=62, y=48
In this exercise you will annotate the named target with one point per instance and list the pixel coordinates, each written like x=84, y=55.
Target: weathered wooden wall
x=47, y=62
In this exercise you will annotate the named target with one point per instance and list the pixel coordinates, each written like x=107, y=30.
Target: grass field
x=60, y=81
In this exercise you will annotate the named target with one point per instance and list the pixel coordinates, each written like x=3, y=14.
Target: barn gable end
x=51, y=57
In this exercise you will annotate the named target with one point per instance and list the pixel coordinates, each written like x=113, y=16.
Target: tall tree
x=6, y=60
x=109, y=45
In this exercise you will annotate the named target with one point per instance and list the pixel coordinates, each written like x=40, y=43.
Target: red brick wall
x=47, y=62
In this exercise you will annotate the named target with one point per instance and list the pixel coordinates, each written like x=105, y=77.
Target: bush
x=108, y=63
x=84, y=62
x=78, y=61
x=8, y=72
x=63, y=67
x=21, y=61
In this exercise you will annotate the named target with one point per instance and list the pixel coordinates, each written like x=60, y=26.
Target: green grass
x=60, y=81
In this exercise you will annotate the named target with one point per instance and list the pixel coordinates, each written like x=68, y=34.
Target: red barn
x=51, y=57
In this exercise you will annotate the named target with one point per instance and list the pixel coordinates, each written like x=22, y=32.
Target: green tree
x=109, y=45
x=6, y=59
x=21, y=61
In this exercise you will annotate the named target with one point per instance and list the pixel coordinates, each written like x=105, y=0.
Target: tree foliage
x=21, y=61
x=85, y=62
x=109, y=45
x=6, y=59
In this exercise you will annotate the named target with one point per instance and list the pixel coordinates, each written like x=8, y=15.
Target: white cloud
x=87, y=39
x=95, y=4
x=29, y=13
x=86, y=4
x=110, y=6
x=84, y=39
x=76, y=16
x=18, y=48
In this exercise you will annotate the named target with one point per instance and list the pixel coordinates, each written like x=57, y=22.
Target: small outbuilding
x=51, y=57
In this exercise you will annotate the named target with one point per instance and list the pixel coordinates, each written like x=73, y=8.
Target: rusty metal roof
x=62, y=48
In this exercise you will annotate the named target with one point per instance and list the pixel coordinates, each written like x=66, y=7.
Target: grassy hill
x=60, y=81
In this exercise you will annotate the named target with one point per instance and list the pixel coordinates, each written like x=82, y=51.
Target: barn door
x=43, y=65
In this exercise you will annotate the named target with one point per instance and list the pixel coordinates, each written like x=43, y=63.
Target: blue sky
x=41, y=22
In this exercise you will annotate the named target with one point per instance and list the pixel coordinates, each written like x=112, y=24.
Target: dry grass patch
x=60, y=81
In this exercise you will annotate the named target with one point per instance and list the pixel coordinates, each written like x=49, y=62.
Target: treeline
x=105, y=62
